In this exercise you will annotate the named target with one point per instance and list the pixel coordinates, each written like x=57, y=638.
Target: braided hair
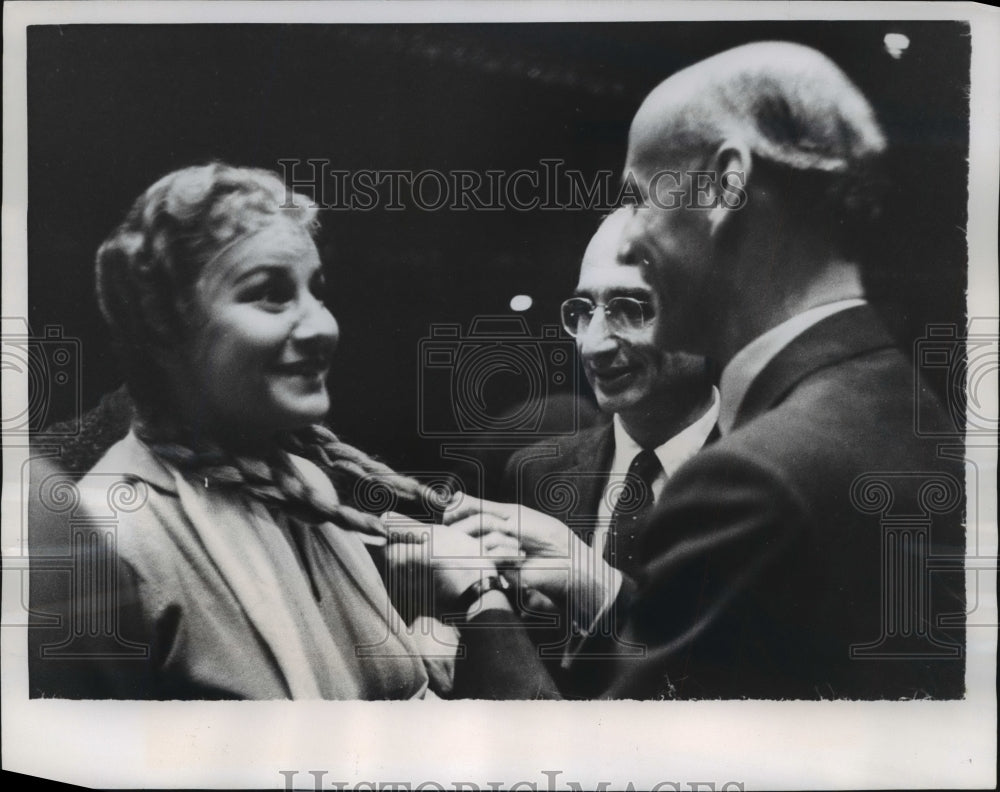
x=364, y=485
x=147, y=272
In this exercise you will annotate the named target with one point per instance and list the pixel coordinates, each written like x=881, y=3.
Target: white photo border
x=775, y=745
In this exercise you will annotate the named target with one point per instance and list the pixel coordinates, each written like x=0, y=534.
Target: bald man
x=778, y=566
x=661, y=407
x=816, y=549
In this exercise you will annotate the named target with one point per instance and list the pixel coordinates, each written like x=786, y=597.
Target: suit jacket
x=792, y=559
x=564, y=477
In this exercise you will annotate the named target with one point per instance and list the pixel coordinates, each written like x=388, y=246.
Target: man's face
x=629, y=370
x=670, y=238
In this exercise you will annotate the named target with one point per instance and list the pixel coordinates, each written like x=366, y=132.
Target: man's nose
x=597, y=340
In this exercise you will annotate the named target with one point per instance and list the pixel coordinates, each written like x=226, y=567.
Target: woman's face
x=257, y=359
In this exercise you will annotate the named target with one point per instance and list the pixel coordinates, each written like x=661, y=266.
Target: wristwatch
x=478, y=589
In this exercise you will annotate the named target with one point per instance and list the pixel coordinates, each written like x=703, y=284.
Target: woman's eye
x=270, y=294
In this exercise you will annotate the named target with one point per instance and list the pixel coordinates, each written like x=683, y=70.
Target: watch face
x=478, y=589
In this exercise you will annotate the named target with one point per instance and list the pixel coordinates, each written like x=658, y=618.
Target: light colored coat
x=233, y=602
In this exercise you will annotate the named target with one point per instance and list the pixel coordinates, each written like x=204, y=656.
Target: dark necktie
x=633, y=505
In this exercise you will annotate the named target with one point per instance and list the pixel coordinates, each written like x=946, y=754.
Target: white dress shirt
x=750, y=361
x=672, y=454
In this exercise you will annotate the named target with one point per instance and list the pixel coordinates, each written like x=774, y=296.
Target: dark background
x=113, y=107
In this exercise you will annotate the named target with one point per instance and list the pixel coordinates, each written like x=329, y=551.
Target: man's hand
x=537, y=534
x=558, y=564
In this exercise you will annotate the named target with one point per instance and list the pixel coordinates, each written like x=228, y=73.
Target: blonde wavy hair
x=147, y=271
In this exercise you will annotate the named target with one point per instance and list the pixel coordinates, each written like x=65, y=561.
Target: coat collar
x=131, y=458
x=847, y=334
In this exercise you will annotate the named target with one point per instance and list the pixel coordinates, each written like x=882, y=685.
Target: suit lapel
x=589, y=468
x=846, y=334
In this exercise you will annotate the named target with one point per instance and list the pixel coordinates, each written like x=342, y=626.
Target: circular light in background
x=896, y=44
x=520, y=302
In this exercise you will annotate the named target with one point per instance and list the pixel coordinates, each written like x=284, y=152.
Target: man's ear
x=732, y=163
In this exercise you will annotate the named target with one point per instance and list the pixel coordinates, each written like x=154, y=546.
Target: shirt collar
x=675, y=451
x=750, y=361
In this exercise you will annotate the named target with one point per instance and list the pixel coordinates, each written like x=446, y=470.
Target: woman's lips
x=305, y=368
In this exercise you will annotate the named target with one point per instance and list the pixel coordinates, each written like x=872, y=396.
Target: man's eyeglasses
x=621, y=314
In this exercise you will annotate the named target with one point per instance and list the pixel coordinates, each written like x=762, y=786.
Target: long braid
x=363, y=484
x=359, y=479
